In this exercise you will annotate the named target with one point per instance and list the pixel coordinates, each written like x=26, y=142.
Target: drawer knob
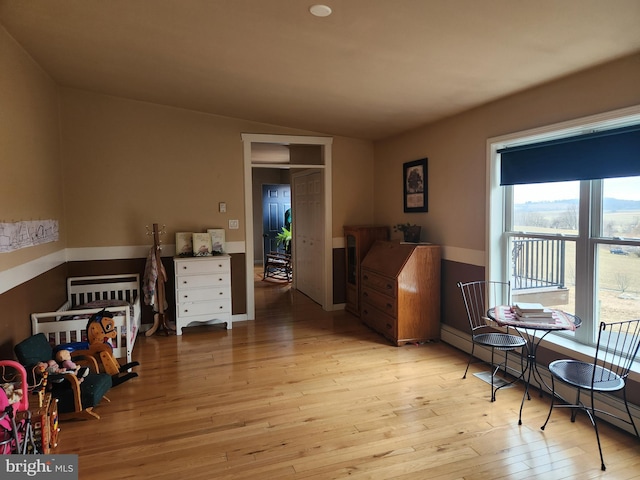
x=389, y=287
x=184, y=267
x=365, y=294
x=366, y=277
x=186, y=296
x=186, y=310
x=184, y=282
x=389, y=305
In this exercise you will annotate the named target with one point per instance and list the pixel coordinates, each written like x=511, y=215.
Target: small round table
x=533, y=332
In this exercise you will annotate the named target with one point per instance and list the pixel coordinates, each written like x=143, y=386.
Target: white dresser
x=203, y=290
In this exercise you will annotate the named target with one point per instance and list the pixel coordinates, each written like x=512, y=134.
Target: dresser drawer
x=194, y=267
x=203, y=308
x=195, y=281
x=386, y=303
x=379, y=321
x=379, y=282
x=203, y=294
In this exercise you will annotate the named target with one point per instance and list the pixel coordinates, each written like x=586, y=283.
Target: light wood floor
x=304, y=394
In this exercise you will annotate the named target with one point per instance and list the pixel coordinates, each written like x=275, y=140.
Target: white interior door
x=308, y=233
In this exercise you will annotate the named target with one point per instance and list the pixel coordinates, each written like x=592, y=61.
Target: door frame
x=325, y=142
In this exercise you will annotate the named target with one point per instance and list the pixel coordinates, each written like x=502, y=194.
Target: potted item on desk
x=410, y=232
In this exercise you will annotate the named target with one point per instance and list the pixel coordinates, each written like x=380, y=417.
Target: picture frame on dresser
x=217, y=240
x=184, y=244
x=415, y=185
x=202, y=246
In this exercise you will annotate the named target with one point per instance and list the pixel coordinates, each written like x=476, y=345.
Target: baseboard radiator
x=608, y=403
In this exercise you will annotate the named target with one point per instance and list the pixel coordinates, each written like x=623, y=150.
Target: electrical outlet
x=234, y=224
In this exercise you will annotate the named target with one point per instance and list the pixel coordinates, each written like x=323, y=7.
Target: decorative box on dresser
x=401, y=291
x=357, y=242
x=203, y=290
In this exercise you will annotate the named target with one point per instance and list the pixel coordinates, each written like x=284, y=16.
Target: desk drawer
x=386, y=303
x=380, y=322
x=379, y=282
x=195, y=281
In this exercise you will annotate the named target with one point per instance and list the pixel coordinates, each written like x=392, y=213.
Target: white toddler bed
x=119, y=294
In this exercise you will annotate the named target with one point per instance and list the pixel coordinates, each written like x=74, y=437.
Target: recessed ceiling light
x=320, y=10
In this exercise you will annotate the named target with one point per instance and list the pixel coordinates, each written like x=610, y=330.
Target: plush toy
x=52, y=367
x=63, y=357
x=14, y=395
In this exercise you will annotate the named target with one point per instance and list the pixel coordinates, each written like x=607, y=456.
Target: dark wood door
x=276, y=200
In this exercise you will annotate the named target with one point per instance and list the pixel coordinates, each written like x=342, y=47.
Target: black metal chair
x=478, y=296
x=616, y=349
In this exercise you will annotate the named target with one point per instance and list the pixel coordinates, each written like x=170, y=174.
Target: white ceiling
x=372, y=69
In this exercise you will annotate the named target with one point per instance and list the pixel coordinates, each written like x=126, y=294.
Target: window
x=546, y=246
x=543, y=238
x=564, y=240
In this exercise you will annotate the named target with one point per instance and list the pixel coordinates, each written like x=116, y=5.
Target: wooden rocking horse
x=100, y=331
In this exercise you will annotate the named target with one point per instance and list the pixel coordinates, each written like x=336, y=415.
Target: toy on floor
x=63, y=358
x=100, y=332
x=13, y=393
x=16, y=432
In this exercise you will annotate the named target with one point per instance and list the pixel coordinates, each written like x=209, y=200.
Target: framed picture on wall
x=414, y=176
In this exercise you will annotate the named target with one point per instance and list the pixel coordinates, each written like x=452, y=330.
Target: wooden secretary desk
x=400, y=295
x=358, y=240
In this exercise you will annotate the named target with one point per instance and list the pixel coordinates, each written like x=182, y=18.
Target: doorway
x=323, y=165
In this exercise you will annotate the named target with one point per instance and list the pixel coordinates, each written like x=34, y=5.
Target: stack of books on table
x=533, y=313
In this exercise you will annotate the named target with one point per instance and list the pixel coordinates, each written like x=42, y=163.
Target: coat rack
x=155, y=278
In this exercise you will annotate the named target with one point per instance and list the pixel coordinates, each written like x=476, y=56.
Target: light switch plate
x=222, y=207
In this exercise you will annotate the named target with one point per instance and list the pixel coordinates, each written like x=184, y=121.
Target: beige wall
x=30, y=179
x=128, y=164
x=456, y=148
x=353, y=189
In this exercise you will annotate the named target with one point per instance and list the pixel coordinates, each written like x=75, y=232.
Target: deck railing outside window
x=537, y=263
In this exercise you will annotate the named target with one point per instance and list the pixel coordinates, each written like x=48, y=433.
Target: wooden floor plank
x=300, y=393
